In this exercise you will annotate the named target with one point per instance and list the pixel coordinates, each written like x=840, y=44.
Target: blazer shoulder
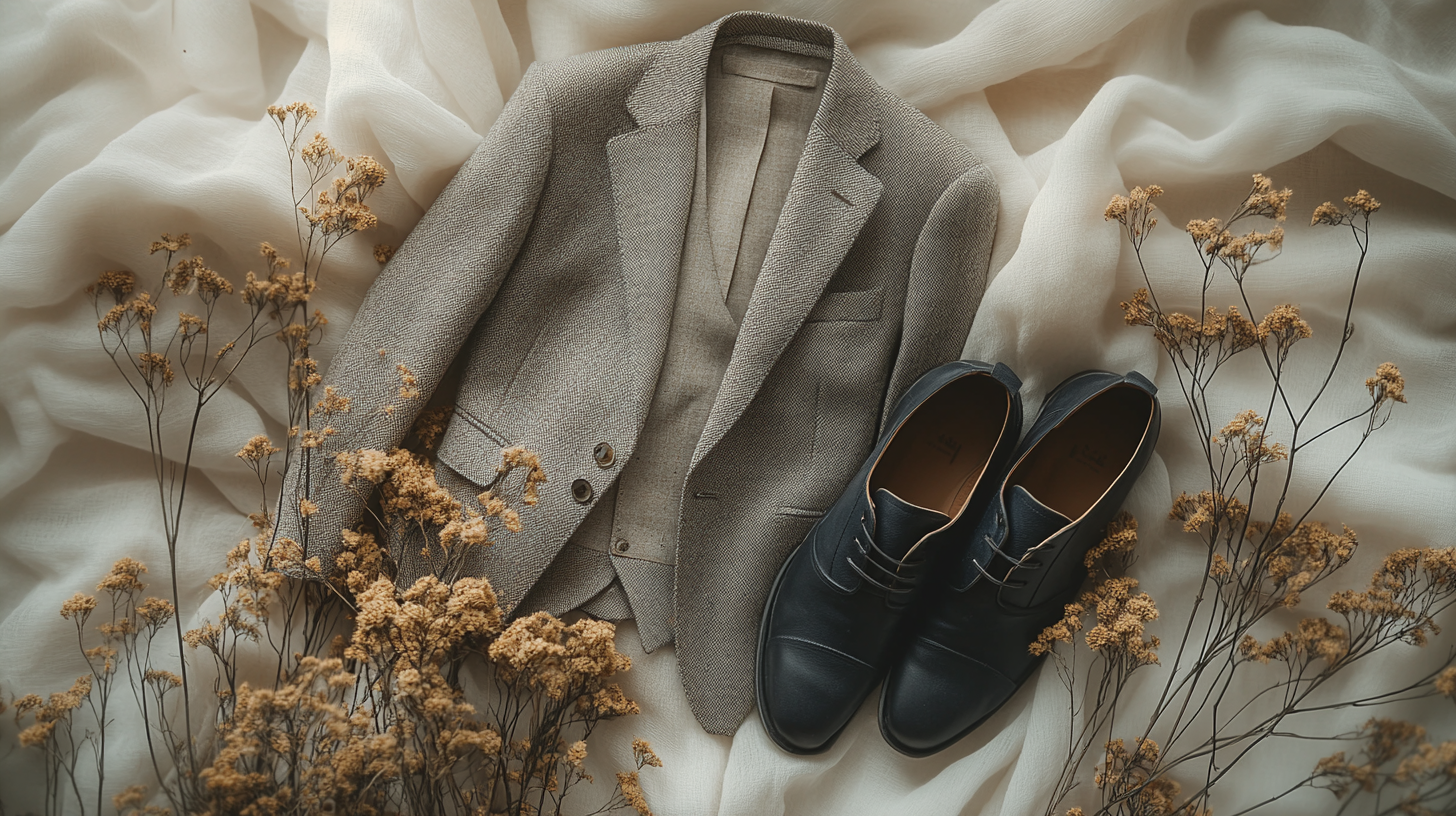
x=573, y=81
x=936, y=149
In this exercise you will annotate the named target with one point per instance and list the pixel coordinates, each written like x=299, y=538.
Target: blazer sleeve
x=947, y=279
x=419, y=310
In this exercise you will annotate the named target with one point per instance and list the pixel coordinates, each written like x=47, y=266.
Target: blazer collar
x=672, y=87
x=829, y=201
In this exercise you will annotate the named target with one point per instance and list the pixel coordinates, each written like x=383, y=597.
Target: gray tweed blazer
x=544, y=276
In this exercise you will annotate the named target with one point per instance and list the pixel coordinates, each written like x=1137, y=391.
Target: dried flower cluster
x=1134, y=212
x=1257, y=569
x=1121, y=616
x=1396, y=764
x=384, y=698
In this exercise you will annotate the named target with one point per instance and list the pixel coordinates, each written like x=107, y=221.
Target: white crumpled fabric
x=123, y=120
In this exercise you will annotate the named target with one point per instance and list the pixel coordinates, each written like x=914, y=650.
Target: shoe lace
x=894, y=576
x=1026, y=563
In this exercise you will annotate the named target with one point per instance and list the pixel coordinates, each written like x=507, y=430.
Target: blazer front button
x=604, y=454
x=581, y=490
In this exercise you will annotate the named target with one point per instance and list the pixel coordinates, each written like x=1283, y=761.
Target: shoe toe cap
x=935, y=696
x=808, y=692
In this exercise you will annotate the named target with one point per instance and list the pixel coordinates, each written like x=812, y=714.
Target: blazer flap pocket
x=471, y=449
x=861, y=305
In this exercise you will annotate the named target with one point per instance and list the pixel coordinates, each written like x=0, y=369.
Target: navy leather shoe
x=1012, y=577
x=835, y=610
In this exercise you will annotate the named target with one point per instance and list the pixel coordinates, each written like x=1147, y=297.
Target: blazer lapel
x=652, y=169
x=829, y=201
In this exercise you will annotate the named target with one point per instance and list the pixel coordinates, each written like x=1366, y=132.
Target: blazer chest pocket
x=471, y=449
x=849, y=307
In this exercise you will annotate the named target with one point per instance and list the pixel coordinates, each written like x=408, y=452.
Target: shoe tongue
x=899, y=525
x=1031, y=522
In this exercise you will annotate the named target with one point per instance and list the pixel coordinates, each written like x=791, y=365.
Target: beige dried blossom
x=79, y=606
x=1445, y=682
x=1305, y=554
x=1204, y=231
x=1314, y=638
x=1063, y=631
x=1227, y=333
x=1330, y=214
x=607, y=703
x=155, y=612
x=1120, y=538
x=631, y=788
x=1394, y=600
x=468, y=530
x=162, y=679
x=1363, y=202
x=145, y=310
x=383, y=253
x=1386, y=739
x=193, y=275
x=303, y=374
x=1264, y=200
x=576, y=754
x=208, y=635
x=130, y=797
x=155, y=367
x=512, y=520
x=411, y=491
x=1284, y=324
x=360, y=559
x=366, y=174
x=1135, y=212
x=1206, y=509
x=190, y=325
x=1245, y=432
x=332, y=404
x=1121, y=618
x=1219, y=567
x=1387, y=384
x=301, y=110
x=170, y=243
x=341, y=210
x=369, y=464
x=119, y=283
x=430, y=426
x=319, y=153
x=124, y=576
x=113, y=317
x=644, y=755
x=1243, y=248
x=54, y=711
x=279, y=289
x=519, y=457
x=258, y=449
x=1137, y=311
x=408, y=384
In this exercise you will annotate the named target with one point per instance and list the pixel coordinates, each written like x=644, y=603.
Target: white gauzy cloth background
x=122, y=120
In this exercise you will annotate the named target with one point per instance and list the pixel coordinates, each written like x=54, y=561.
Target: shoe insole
x=1071, y=467
x=936, y=458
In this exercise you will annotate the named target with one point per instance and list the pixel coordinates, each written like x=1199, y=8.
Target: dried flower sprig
x=1255, y=568
x=366, y=711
